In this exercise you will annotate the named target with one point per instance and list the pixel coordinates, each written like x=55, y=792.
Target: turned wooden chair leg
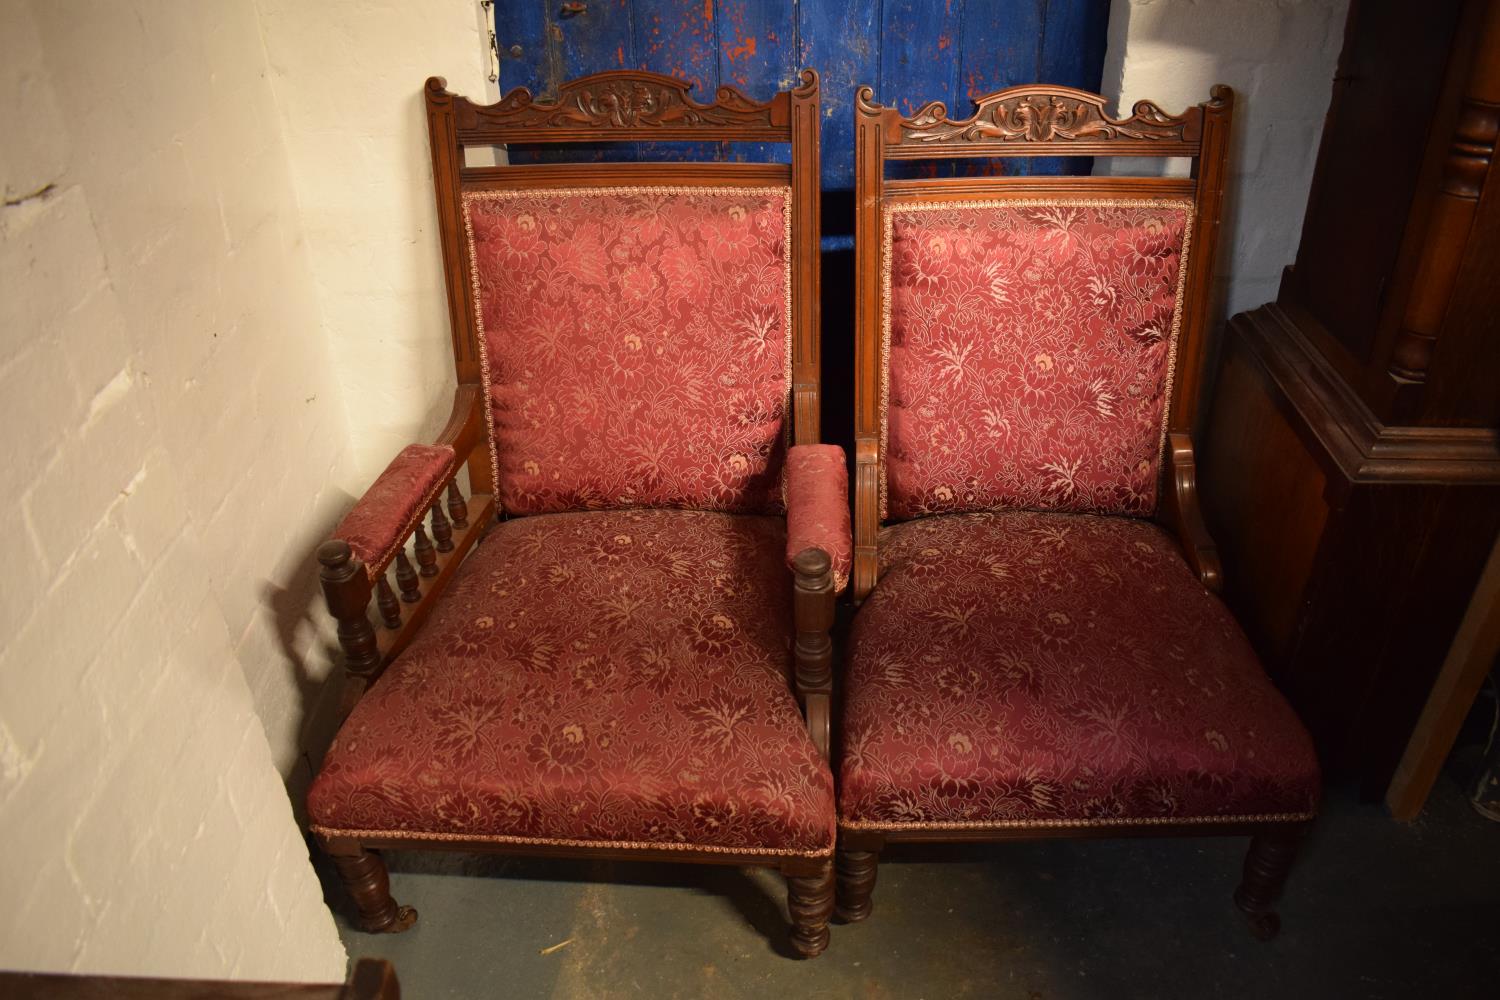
x=1266, y=867
x=856, y=881
x=810, y=900
x=365, y=876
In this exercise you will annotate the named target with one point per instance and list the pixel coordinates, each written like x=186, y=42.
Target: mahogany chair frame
x=1032, y=121
x=616, y=106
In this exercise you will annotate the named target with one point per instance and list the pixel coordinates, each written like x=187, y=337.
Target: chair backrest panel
x=1027, y=342
x=643, y=334
x=1029, y=347
x=636, y=344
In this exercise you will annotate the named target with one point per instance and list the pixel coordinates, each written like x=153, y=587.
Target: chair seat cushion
x=598, y=679
x=1020, y=669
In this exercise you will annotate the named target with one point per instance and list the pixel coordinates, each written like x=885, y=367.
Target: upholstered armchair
x=1040, y=651
x=617, y=645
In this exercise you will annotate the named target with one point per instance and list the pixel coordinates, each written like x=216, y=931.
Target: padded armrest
x=385, y=515
x=817, y=506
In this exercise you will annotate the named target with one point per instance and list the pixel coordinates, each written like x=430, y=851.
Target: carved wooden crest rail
x=625, y=106
x=1037, y=121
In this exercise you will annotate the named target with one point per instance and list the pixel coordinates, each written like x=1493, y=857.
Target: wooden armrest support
x=1181, y=512
x=812, y=608
x=349, y=582
x=866, y=516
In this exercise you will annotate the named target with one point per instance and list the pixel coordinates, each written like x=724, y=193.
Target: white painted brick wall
x=1279, y=56
x=348, y=81
x=173, y=427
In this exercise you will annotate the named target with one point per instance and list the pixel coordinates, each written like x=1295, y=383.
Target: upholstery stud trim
x=622, y=845
x=1060, y=824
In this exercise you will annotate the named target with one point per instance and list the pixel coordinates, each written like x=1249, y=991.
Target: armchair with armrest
x=617, y=646
x=1040, y=651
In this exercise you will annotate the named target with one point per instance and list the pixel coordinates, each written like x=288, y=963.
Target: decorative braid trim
x=377, y=569
x=886, y=253
x=623, y=845
x=781, y=191
x=1062, y=824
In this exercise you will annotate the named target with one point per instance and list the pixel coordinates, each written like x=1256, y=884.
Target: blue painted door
x=910, y=51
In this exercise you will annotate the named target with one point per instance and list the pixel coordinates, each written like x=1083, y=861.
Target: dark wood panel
x=1349, y=547
x=1374, y=143
x=371, y=979
x=1268, y=537
x=1394, y=580
x=1463, y=383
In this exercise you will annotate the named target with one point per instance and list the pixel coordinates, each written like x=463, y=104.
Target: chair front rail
x=854, y=839
x=790, y=864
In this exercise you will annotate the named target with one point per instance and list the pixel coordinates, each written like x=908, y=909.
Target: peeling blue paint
x=910, y=51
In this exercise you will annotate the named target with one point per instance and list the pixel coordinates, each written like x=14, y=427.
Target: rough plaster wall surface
x=1279, y=56
x=170, y=430
x=348, y=76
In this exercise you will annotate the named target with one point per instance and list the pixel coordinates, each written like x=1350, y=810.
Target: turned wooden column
x=813, y=650
x=347, y=589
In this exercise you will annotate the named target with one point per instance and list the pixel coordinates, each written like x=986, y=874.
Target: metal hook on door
x=489, y=20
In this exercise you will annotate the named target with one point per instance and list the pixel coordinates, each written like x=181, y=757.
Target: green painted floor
x=1374, y=909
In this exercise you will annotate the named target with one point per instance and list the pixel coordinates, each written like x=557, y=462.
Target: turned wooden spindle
x=457, y=509
x=385, y=599
x=426, y=554
x=406, y=578
x=442, y=531
x=346, y=587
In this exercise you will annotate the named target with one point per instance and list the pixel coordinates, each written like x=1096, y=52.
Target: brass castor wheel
x=405, y=917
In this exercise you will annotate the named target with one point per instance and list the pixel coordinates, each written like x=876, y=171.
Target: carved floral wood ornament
x=1045, y=120
x=643, y=101
x=1034, y=117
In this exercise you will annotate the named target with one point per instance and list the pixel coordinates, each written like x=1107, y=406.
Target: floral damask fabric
x=1029, y=353
x=636, y=345
x=381, y=519
x=615, y=678
x=817, y=506
x=1033, y=669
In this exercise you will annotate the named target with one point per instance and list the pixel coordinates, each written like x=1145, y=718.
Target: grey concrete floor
x=1374, y=909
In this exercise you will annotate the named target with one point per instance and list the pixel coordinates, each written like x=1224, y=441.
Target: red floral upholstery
x=1031, y=669
x=636, y=345
x=594, y=679
x=1029, y=355
x=382, y=518
x=817, y=506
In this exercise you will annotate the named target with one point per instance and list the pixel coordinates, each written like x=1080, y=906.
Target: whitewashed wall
x=1279, y=56
x=348, y=79
x=172, y=428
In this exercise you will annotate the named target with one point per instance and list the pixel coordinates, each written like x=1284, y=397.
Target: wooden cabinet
x=1350, y=456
